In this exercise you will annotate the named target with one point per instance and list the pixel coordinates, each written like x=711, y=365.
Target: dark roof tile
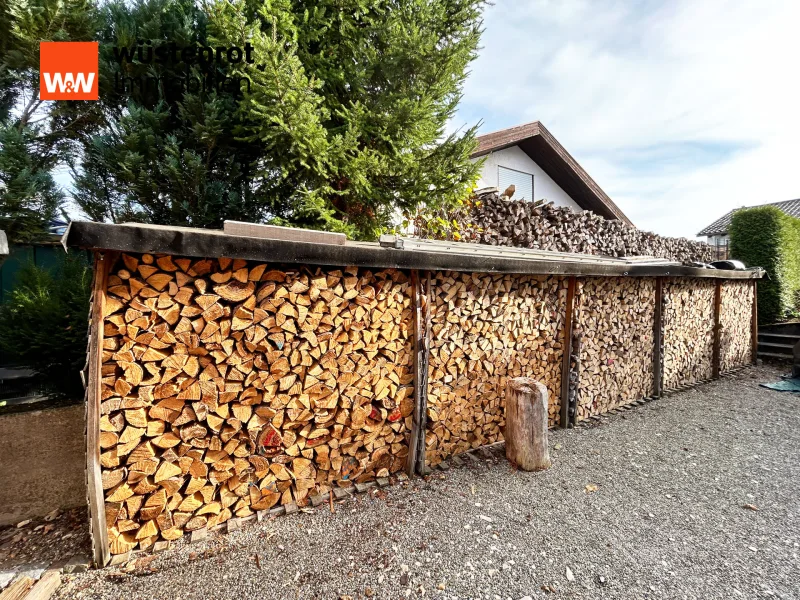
x=721, y=225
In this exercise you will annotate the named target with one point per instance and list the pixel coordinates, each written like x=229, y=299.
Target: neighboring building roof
x=720, y=226
x=539, y=144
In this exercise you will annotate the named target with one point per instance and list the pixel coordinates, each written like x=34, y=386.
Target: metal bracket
x=391, y=241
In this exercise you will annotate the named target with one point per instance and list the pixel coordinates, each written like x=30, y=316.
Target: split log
x=491, y=219
x=229, y=387
x=485, y=329
x=615, y=364
x=736, y=331
x=688, y=323
x=18, y=588
x=526, y=424
x=47, y=585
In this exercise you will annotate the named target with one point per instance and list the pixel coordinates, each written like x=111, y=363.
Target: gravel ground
x=696, y=495
x=44, y=540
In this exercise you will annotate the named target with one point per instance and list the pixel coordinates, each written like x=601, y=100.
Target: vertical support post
x=413, y=441
x=754, y=324
x=426, y=353
x=94, y=485
x=564, y=419
x=658, y=365
x=416, y=446
x=715, y=364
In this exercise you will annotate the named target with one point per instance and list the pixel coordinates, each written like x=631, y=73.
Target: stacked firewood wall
x=688, y=331
x=614, y=321
x=486, y=328
x=231, y=386
x=736, y=333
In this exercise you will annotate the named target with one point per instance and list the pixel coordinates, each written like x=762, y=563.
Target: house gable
x=544, y=188
x=542, y=148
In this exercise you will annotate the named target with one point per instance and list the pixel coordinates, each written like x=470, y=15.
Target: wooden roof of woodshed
x=475, y=258
x=539, y=144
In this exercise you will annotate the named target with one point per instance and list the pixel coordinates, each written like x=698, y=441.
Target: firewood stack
x=616, y=351
x=231, y=386
x=486, y=328
x=736, y=330
x=688, y=331
x=490, y=219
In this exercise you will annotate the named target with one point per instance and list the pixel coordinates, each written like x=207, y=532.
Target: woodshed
x=231, y=374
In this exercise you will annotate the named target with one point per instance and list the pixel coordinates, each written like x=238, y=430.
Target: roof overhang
x=454, y=256
x=539, y=144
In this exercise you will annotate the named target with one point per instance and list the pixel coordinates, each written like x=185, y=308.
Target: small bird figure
x=509, y=191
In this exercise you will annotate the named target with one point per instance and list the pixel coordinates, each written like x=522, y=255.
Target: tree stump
x=526, y=424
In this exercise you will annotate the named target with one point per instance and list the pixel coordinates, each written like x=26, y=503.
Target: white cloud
x=680, y=112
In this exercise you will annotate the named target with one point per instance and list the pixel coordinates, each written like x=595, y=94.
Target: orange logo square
x=68, y=70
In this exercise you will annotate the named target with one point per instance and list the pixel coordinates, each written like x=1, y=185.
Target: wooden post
x=715, y=362
x=658, y=367
x=416, y=431
x=567, y=356
x=416, y=446
x=94, y=486
x=426, y=353
x=754, y=324
x=526, y=424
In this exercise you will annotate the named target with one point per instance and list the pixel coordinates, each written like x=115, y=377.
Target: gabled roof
x=721, y=225
x=537, y=142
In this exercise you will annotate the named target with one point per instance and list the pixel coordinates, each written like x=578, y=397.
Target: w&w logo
x=68, y=70
x=68, y=83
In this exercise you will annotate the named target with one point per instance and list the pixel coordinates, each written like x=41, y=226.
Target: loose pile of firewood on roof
x=488, y=218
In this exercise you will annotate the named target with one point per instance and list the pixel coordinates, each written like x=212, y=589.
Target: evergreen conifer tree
x=36, y=136
x=340, y=121
x=343, y=126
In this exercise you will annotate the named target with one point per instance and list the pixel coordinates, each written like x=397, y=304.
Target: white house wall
x=717, y=240
x=544, y=188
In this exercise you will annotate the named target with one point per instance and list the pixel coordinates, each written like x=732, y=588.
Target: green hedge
x=766, y=237
x=44, y=320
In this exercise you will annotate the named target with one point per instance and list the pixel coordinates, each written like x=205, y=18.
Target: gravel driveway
x=696, y=495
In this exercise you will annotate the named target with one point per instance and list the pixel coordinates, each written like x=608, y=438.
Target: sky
x=679, y=110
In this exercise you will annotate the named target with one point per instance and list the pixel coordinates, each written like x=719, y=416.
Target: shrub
x=766, y=237
x=44, y=320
